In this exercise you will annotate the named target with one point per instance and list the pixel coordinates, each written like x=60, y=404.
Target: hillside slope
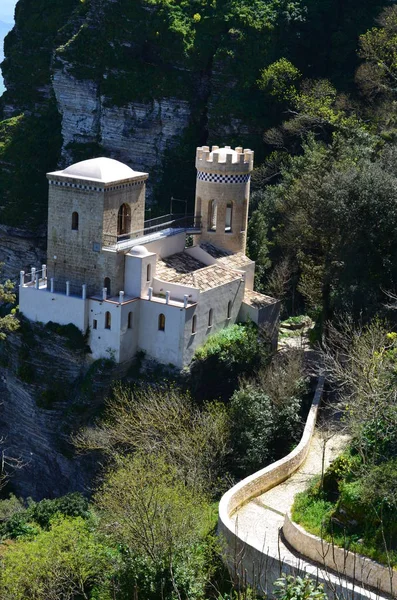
x=147, y=81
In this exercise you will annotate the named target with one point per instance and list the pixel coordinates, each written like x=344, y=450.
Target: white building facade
x=134, y=285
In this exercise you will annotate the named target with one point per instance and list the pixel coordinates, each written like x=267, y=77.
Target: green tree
x=361, y=361
x=164, y=524
x=68, y=561
x=234, y=352
x=377, y=76
x=163, y=420
x=265, y=414
x=257, y=247
x=298, y=588
x=8, y=322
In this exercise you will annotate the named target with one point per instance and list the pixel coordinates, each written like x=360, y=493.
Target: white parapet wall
x=259, y=566
x=360, y=568
x=43, y=306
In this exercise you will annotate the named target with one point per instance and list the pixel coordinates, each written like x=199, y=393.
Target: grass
x=317, y=516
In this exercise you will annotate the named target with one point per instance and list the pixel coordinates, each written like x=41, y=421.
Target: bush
x=232, y=353
x=75, y=340
x=265, y=414
x=298, y=588
x=68, y=561
x=261, y=430
x=24, y=522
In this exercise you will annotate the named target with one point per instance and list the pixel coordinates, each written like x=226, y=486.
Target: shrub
x=298, y=588
x=68, y=561
x=232, y=353
x=24, y=523
x=75, y=340
x=265, y=415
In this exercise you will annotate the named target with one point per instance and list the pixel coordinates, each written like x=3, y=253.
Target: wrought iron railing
x=171, y=221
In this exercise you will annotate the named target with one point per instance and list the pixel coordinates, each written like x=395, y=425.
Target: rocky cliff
x=146, y=81
x=48, y=391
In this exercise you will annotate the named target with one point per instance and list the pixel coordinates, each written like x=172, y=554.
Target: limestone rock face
x=20, y=250
x=48, y=391
x=137, y=133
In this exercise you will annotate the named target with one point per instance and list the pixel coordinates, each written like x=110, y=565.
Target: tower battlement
x=224, y=160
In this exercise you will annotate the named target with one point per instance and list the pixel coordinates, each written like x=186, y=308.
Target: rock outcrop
x=48, y=391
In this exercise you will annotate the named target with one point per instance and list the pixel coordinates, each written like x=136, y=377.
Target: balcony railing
x=171, y=221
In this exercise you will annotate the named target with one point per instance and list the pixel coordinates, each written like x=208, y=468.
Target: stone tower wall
x=225, y=183
x=76, y=260
x=132, y=194
x=80, y=257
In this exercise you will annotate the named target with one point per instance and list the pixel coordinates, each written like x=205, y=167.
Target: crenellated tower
x=222, y=195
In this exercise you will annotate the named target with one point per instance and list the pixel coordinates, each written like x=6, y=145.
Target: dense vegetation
x=354, y=504
x=149, y=530
x=312, y=85
x=210, y=53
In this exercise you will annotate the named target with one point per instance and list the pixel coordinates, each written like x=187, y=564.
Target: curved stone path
x=258, y=523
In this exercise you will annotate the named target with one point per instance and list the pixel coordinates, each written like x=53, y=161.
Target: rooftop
x=225, y=258
x=102, y=169
x=186, y=270
x=257, y=300
x=208, y=277
x=177, y=264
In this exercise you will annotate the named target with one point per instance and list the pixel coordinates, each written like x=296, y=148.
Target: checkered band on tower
x=216, y=178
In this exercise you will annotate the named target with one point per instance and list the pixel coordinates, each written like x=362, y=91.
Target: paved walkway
x=258, y=523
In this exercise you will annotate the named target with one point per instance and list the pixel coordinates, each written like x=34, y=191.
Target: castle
x=133, y=283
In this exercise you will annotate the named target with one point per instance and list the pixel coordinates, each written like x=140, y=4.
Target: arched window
x=194, y=323
x=161, y=322
x=229, y=217
x=124, y=220
x=148, y=272
x=229, y=310
x=210, y=316
x=108, y=320
x=130, y=316
x=212, y=215
x=75, y=221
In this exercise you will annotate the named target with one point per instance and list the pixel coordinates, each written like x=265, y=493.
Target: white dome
x=101, y=169
x=139, y=251
x=223, y=152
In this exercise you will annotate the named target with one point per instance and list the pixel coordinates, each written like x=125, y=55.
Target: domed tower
x=222, y=195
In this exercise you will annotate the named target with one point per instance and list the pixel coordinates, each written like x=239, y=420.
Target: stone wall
x=349, y=564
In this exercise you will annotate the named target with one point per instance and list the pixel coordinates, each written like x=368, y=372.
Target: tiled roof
x=226, y=258
x=235, y=261
x=257, y=300
x=214, y=251
x=208, y=278
x=186, y=270
x=177, y=264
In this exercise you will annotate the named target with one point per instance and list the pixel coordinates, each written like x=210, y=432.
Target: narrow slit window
x=229, y=217
x=124, y=220
x=75, y=221
x=244, y=223
x=106, y=284
x=210, y=317
x=212, y=215
x=95, y=324
x=130, y=317
x=194, y=323
x=229, y=310
x=161, y=322
x=148, y=273
x=108, y=320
